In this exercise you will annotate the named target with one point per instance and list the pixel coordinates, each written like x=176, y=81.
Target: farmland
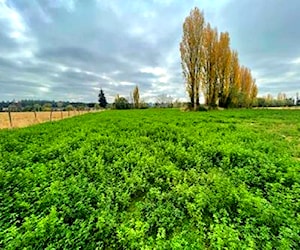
x=153, y=179
x=24, y=119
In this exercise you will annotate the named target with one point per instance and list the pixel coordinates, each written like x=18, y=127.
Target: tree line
x=211, y=67
x=134, y=101
x=121, y=102
x=44, y=105
x=280, y=101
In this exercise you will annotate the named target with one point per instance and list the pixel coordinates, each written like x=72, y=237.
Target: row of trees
x=44, y=105
x=135, y=101
x=210, y=66
x=121, y=102
x=281, y=101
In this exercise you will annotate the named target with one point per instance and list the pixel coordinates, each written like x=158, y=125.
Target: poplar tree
x=136, y=97
x=209, y=65
x=191, y=50
x=224, y=68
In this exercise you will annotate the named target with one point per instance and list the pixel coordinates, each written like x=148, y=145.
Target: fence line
x=23, y=119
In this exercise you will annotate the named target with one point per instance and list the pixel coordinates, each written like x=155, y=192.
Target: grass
x=153, y=179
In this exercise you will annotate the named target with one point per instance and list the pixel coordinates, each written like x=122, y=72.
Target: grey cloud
x=287, y=87
x=17, y=89
x=79, y=76
x=114, y=40
x=264, y=26
x=83, y=58
x=265, y=35
x=7, y=64
x=136, y=77
x=68, y=55
x=7, y=44
x=101, y=42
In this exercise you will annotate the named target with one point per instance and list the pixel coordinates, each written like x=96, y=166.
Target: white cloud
x=13, y=17
x=296, y=60
x=116, y=44
x=44, y=89
x=158, y=71
x=13, y=20
x=125, y=83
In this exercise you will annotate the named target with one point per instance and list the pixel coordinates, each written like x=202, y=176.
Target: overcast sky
x=68, y=49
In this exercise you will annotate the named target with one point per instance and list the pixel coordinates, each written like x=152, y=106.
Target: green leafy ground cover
x=153, y=179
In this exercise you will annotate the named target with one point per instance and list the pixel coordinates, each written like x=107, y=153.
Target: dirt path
x=293, y=107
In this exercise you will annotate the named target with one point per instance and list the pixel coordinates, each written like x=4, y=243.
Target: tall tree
x=224, y=68
x=191, y=50
x=136, y=97
x=102, y=99
x=253, y=93
x=234, y=80
x=210, y=67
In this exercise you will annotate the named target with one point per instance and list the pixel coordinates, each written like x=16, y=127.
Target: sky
x=69, y=49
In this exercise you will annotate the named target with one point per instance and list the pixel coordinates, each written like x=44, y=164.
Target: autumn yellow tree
x=191, y=50
x=136, y=97
x=248, y=88
x=234, y=80
x=253, y=93
x=223, y=70
x=217, y=67
x=281, y=96
x=210, y=67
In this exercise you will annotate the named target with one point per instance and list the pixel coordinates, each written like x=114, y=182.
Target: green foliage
x=153, y=179
x=37, y=107
x=69, y=107
x=265, y=102
x=121, y=103
x=102, y=99
x=47, y=107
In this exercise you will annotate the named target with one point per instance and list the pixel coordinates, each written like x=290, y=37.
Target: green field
x=153, y=179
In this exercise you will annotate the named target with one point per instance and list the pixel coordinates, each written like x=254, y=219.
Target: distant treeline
x=163, y=101
x=43, y=105
x=281, y=101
